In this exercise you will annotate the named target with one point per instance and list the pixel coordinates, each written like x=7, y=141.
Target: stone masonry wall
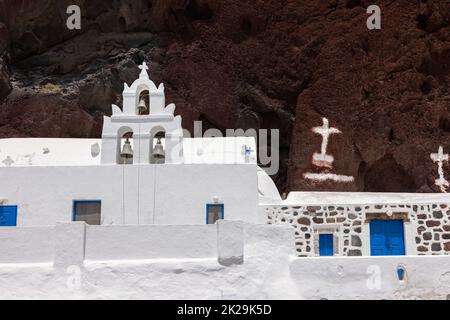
x=430, y=225
x=433, y=229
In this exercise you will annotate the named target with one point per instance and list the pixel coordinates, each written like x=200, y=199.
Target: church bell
x=127, y=150
x=158, y=151
x=142, y=107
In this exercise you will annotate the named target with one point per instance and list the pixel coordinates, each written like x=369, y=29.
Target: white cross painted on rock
x=323, y=159
x=144, y=69
x=440, y=157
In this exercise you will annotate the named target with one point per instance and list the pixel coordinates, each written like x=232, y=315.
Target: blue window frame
x=8, y=216
x=88, y=211
x=326, y=247
x=387, y=238
x=214, y=212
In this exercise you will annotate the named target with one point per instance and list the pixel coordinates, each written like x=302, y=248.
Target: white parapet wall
x=425, y=277
x=229, y=260
x=104, y=243
x=75, y=243
x=27, y=245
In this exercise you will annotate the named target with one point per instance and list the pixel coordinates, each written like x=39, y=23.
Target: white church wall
x=45, y=195
x=184, y=191
x=131, y=194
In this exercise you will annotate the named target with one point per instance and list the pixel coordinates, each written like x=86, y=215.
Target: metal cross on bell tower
x=144, y=69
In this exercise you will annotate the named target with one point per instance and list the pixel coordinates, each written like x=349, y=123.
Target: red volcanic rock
x=46, y=116
x=384, y=90
x=5, y=85
x=250, y=64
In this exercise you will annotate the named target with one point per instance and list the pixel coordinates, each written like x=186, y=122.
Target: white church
x=149, y=212
x=145, y=171
x=142, y=171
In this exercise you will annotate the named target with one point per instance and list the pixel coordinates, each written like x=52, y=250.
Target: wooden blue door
x=387, y=238
x=8, y=216
x=326, y=247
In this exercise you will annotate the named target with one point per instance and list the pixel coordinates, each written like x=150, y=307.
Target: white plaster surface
x=372, y=277
x=269, y=271
x=336, y=198
x=22, y=245
x=267, y=190
x=145, y=194
x=25, y=152
x=105, y=243
x=70, y=244
x=230, y=242
x=265, y=274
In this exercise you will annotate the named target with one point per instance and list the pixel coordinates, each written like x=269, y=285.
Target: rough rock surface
x=246, y=64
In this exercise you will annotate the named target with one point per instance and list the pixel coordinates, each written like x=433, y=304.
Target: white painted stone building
x=145, y=199
x=51, y=180
x=145, y=170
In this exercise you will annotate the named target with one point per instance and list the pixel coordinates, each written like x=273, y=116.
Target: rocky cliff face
x=246, y=64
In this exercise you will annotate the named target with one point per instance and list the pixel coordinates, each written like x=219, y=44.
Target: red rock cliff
x=246, y=64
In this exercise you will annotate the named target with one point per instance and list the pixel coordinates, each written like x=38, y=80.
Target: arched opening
x=158, y=146
x=125, y=146
x=142, y=100
x=144, y=103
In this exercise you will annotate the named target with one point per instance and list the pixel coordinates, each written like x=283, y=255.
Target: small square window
x=214, y=212
x=87, y=211
x=8, y=216
x=326, y=244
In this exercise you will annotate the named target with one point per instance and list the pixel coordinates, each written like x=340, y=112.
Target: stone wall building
x=425, y=220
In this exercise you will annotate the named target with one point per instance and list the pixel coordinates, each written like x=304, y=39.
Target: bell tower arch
x=144, y=114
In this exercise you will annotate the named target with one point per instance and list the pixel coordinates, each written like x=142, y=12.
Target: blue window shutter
x=8, y=216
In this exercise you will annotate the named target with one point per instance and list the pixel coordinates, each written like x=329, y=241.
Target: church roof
x=26, y=152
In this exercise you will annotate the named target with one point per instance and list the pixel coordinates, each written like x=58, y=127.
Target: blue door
x=326, y=247
x=387, y=238
x=8, y=216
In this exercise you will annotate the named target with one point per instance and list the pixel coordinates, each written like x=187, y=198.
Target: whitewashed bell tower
x=143, y=123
